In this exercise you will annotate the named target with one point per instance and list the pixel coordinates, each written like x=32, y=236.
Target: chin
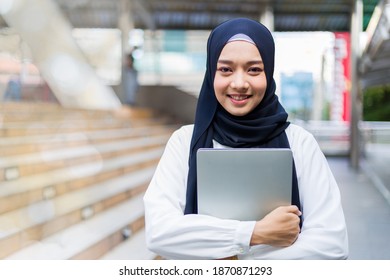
x=238, y=113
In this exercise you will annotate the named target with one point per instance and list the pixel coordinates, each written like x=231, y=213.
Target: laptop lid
x=243, y=184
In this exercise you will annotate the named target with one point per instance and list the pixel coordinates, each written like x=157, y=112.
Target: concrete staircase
x=72, y=181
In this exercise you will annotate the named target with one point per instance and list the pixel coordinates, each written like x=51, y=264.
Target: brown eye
x=255, y=70
x=224, y=69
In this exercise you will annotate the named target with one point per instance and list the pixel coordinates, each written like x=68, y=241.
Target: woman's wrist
x=257, y=238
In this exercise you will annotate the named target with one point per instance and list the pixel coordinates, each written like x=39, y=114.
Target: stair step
x=134, y=248
x=38, y=128
x=37, y=143
x=35, y=119
x=89, y=239
x=44, y=218
x=33, y=163
x=22, y=111
x=34, y=188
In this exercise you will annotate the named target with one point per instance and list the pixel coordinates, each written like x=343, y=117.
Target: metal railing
x=334, y=137
x=376, y=132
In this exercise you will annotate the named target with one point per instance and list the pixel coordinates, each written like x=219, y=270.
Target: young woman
x=238, y=108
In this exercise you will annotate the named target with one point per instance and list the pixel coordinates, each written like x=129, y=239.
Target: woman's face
x=240, y=80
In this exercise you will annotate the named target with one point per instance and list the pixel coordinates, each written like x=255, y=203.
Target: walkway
x=367, y=212
x=376, y=165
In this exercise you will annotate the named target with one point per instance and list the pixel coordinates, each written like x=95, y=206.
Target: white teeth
x=239, y=97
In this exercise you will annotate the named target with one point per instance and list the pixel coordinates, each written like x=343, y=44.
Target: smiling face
x=240, y=82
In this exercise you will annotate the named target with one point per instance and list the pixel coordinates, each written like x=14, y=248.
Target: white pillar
x=318, y=94
x=125, y=24
x=356, y=102
x=267, y=17
x=62, y=64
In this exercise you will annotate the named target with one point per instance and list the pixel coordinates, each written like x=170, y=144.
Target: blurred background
x=92, y=90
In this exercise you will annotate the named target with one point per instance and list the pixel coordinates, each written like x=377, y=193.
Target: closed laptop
x=243, y=184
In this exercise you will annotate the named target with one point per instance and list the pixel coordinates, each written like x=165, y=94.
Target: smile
x=239, y=97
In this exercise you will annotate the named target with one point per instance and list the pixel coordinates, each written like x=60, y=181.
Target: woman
x=237, y=108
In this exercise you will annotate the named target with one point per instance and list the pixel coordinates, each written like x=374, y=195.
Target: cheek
x=219, y=85
x=260, y=85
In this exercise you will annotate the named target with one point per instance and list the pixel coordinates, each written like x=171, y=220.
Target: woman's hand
x=279, y=228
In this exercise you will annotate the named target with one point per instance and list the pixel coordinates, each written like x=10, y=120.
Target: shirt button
x=241, y=250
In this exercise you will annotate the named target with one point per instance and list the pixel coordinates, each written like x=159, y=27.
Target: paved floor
x=367, y=211
x=376, y=163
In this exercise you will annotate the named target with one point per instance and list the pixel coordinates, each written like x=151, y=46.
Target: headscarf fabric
x=262, y=127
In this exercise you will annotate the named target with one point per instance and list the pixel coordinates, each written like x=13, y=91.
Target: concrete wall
x=168, y=100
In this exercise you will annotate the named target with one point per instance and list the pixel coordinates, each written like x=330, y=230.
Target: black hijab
x=263, y=127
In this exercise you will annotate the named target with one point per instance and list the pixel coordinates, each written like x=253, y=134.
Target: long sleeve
x=173, y=235
x=324, y=233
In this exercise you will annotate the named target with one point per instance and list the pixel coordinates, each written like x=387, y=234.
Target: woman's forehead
x=240, y=49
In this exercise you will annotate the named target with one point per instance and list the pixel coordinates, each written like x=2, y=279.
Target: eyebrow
x=251, y=62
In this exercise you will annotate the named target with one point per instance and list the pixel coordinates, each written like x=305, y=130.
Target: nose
x=239, y=81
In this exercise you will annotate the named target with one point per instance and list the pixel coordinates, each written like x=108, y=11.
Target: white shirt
x=173, y=235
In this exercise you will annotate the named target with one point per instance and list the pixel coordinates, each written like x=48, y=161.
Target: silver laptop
x=243, y=184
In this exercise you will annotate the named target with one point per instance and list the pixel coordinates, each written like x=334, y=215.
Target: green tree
x=376, y=104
